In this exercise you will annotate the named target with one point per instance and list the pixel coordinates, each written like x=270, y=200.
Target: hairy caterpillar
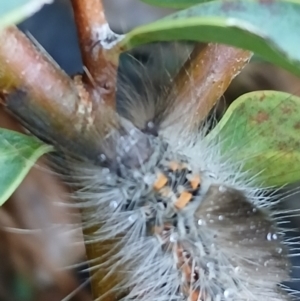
x=187, y=223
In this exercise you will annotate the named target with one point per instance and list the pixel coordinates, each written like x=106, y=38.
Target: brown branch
x=46, y=100
x=205, y=77
x=94, y=39
x=22, y=65
x=103, y=281
x=37, y=91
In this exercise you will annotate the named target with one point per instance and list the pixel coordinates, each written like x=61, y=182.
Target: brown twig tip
x=206, y=76
x=96, y=43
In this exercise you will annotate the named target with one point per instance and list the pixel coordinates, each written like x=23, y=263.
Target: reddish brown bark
x=205, y=77
x=23, y=66
x=100, y=62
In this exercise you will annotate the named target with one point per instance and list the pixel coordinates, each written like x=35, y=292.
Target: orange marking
x=183, y=199
x=160, y=182
x=195, y=181
x=174, y=165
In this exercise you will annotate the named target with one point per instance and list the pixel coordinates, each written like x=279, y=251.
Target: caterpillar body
x=187, y=233
x=187, y=223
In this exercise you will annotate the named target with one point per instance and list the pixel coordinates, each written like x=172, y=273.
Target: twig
x=51, y=105
x=205, y=77
x=23, y=66
x=96, y=40
x=103, y=281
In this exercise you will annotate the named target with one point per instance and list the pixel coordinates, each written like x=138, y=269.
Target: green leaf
x=174, y=3
x=15, y=11
x=262, y=130
x=270, y=28
x=18, y=153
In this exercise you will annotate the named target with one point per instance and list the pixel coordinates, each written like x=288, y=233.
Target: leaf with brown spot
x=261, y=117
x=263, y=136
